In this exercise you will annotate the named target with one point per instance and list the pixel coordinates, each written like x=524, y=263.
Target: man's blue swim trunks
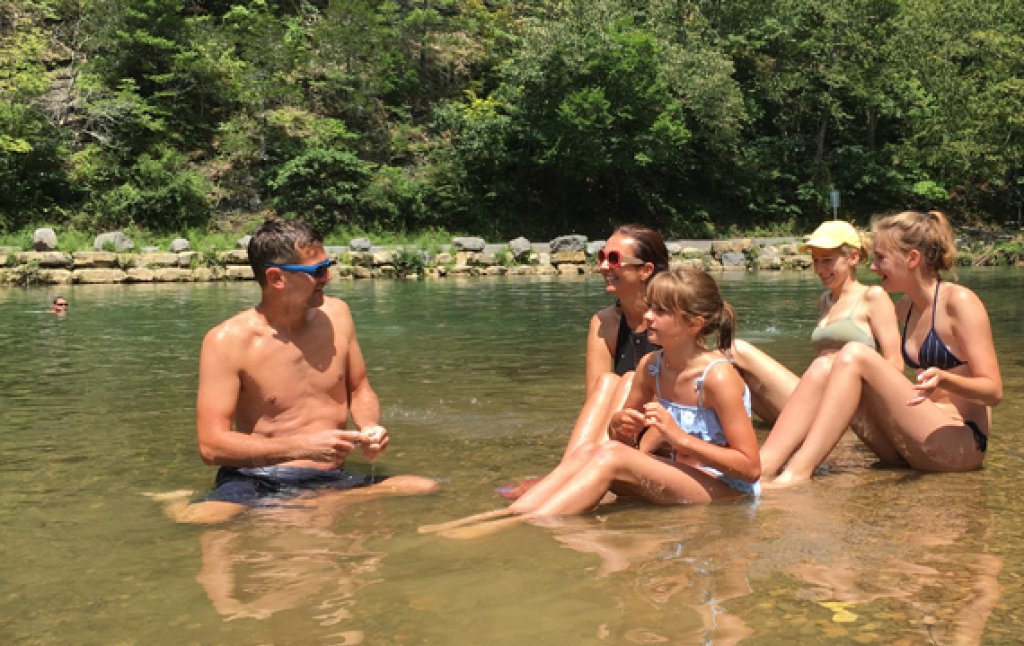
x=266, y=486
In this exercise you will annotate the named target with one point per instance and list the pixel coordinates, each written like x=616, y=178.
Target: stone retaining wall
x=84, y=267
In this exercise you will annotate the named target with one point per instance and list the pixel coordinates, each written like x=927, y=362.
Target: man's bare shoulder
x=234, y=332
x=337, y=310
x=334, y=304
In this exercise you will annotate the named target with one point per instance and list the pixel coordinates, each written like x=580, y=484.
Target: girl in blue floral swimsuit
x=683, y=395
x=702, y=423
x=686, y=396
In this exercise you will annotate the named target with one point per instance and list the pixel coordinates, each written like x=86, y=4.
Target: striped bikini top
x=933, y=353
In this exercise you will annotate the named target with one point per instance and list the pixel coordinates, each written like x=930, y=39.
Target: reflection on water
x=480, y=381
x=914, y=563
x=291, y=563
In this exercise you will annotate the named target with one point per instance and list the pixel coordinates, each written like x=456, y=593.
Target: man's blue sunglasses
x=316, y=271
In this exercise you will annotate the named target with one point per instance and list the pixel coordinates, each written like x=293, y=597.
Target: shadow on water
x=480, y=382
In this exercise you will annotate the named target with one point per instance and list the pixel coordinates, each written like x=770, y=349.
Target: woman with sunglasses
x=617, y=338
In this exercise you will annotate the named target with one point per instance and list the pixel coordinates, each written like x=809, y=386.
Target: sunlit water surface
x=480, y=382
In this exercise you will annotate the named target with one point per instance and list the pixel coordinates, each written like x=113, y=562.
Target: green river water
x=480, y=381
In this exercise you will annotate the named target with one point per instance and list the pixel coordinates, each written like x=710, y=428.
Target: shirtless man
x=287, y=375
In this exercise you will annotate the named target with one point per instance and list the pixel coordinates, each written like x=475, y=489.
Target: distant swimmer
x=60, y=306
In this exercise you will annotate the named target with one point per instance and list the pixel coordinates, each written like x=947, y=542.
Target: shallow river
x=480, y=382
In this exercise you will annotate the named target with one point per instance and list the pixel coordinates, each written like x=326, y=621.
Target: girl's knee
x=740, y=353
x=819, y=368
x=854, y=355
x=584, y=452
x=608, y=456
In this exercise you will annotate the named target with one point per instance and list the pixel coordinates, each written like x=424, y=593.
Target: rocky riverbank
x=464, y=256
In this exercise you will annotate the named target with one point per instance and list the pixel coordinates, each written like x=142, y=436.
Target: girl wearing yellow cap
x=851, y=313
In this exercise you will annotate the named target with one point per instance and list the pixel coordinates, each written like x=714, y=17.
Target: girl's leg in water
x=591, y=429
x=794, y=421
x=561, y=477
x=924, y=434
x=770, y=382
x=534, y=497
x=614, y=463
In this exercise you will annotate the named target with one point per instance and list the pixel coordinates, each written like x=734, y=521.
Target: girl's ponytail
x=726, y=326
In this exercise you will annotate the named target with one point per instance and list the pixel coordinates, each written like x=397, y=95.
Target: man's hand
x=332, y=445
x=373, y=439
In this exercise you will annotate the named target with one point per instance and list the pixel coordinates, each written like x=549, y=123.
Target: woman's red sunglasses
x=615, y=258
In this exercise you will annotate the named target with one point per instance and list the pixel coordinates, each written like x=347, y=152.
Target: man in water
x=278, y=384
x=60, y=306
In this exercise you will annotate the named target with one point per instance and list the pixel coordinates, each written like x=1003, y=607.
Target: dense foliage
x=503, y=118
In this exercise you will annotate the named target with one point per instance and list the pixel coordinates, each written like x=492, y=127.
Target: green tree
x=155, y=45
x=598, y=119
x=159, y=192
x=957, y=73
x=312, y=170
x=812, y=73
x=31, y=147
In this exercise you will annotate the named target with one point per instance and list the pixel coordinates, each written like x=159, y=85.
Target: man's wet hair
x=277, y=242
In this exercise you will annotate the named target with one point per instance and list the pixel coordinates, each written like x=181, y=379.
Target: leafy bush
x=161, y=193
x=31, y=170
x=410, y=261
x=393, y=200
x=312, y=170
x=319, y=185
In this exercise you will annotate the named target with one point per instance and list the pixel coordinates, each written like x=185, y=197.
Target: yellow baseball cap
x=832, y=235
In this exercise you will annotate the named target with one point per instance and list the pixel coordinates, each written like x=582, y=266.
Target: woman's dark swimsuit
x=267, y=486
x=630, y=347
x=934, y=353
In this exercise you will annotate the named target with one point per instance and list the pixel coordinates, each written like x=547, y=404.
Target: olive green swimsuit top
x=839, y=333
